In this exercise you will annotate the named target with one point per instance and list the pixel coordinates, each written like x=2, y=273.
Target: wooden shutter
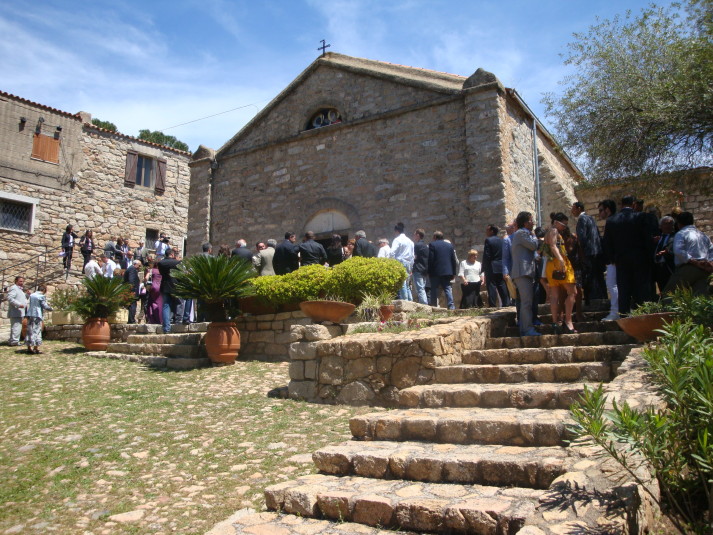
x=45, y=148
x=160, y=176
x=132, y=158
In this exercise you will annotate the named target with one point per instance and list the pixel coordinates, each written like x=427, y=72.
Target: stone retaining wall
x=267, y=335
x=370, y=368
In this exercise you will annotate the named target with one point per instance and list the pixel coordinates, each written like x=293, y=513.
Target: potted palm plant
x=216, y=281
x=102, y=298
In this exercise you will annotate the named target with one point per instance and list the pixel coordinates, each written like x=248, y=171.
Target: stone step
x=155, y=361
x=545, y=316
x=445, y=463
x=183, y=339
x=425, y=507
x=538, y=355
x=270, y=523
x=166, y=350
x=552, y=340
x=583, y=327
x=508, y=426
x=524, y=373
x=520, y=396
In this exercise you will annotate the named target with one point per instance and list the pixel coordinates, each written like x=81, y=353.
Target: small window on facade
x=324, y=117
x=16, y=215
x=151, y=237
x=145, y=172
x=45, y=148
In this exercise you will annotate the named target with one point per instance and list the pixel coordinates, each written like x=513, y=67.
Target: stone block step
x=155, y=361
x=424, y=507
x=269, y=523
x=524, y=373
x=546, y=317
x=520, y=396
x=555, y=355
x=582, y=327
x=508, y=426
x=189, y=328
x=445, y=463
x=166, y=350
x=552, y=340
x=184, y=339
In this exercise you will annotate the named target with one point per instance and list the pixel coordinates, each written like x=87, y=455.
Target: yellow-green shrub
x=358, y=276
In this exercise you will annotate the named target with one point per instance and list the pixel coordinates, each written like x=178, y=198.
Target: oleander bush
x=675, y=444
x=64, y=298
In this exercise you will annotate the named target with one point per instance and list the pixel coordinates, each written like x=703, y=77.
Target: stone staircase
x=182, y=349
x=474, y=451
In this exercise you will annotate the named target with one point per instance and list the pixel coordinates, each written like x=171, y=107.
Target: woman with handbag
x=560, y=274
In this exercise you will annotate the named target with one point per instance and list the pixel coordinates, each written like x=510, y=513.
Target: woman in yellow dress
x=560, y=274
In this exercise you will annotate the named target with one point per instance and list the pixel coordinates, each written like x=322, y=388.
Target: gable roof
x=414, y=76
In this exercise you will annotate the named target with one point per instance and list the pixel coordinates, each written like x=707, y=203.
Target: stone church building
x=359, y=144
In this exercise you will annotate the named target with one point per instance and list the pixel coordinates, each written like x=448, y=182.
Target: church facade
x=356, y=144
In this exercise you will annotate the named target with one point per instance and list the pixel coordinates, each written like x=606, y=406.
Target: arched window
x=324, y=117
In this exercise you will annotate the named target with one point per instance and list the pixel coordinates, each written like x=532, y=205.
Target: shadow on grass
x=72, y=350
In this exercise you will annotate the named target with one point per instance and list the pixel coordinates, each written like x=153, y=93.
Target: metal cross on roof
x=323, y=47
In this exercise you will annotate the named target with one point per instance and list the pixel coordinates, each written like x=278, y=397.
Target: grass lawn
x=82, y=439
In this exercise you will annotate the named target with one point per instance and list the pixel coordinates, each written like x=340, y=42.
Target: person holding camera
x=162, y=246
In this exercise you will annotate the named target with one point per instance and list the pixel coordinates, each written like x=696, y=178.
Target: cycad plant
x=214, y=280
x=103, y=297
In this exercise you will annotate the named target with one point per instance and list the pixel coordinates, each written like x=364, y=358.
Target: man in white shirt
x=108, y=267
x=402, y=250
x=384, y=249
x=92, y=268
x=693, y=256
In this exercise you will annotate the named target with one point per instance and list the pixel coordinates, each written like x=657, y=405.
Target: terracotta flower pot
x=642, y=327
x=385, y=312
x=96, y=334
x=222, y=342
x=334, y=311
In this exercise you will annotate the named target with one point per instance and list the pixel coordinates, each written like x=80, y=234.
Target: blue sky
x=158, y=63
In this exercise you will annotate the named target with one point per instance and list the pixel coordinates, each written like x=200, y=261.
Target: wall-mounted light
x=73, y=180
x=59, y=129
x=23, y=119
x=38, y=128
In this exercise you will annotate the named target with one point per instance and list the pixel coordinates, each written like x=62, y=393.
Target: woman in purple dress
x=154, y=303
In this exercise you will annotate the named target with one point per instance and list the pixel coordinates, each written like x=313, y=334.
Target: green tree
x=106, y=125
x=640, y=100
x=162, y=139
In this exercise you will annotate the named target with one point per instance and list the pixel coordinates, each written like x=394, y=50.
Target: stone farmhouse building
x=359, y=144
x=56, y=168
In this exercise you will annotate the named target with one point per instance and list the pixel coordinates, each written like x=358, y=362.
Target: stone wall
x=269, y=335
x=691, y=190
x=370, y=368
x=96, y=160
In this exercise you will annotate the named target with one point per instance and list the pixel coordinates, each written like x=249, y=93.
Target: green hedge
x=348, y=281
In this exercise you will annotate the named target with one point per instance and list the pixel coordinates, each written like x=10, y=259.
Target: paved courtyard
x=94, y=446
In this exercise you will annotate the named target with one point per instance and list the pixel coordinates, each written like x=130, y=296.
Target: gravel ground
x=96, y=446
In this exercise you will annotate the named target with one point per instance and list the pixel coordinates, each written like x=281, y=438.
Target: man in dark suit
x=168, y=288
x=363, y=247
x=420, y=265
x=312, y=252
x=286, y=259
x=442, y=268
x=131, y=276
x=493, y=267
x=241, y=250
x=629, y=246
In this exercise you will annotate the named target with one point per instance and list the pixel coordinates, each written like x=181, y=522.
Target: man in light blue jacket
x=524, y=245
x=17, y=300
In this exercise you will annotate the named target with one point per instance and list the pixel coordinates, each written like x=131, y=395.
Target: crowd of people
x=639, y=257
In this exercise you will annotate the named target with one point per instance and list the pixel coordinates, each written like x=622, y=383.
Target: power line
x=214, y=115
